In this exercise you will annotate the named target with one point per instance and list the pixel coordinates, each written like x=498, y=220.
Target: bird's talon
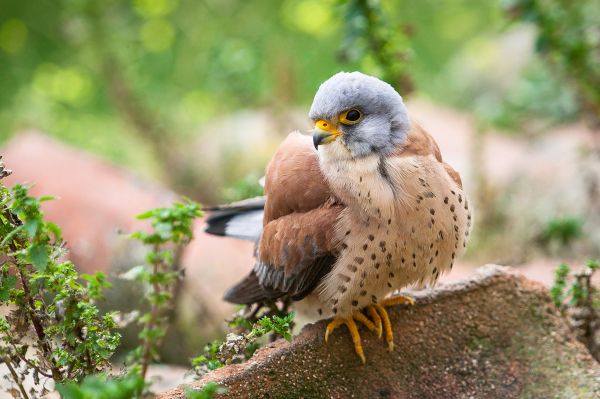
x=349, y=322
x=376, y=320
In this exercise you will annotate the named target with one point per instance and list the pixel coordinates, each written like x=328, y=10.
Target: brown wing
x=297, y=245
x=419, y=142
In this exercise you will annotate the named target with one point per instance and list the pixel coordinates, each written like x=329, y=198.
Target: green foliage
x=239, y=347
x=563, y=230
x=557, y=291
x=567, y=39
x=276, y=324
x=99, y=386
x=208, y=391
x=574, y=289
x=54, y=327
x=371, y=35
x=171, y=228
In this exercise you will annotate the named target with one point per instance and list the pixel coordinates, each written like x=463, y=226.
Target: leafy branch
x=240, y=346
x=370, y=33
x=172, y=227
x=54, y=329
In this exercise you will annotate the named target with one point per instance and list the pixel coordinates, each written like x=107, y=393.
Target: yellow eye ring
x=350, y=117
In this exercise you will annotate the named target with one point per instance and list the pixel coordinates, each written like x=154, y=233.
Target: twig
x=16, y=378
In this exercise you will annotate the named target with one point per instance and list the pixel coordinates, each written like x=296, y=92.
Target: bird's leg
x=349, y=322
x=381, y=319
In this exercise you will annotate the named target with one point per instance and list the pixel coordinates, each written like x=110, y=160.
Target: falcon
x=353, y=214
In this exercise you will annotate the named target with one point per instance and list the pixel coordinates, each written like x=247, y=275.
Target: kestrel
x=363, y=209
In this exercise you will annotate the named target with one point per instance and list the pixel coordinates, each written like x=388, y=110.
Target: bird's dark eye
x=350, y=117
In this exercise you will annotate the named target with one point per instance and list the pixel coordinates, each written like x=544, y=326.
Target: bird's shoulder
x=294, y=181
x=420, y=143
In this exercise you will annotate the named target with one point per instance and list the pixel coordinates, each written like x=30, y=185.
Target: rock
x=495, y=335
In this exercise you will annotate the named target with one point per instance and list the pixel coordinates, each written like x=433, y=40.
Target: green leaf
x=31, y=226
x=6, y=284
x=10, y=235
x=38, y=254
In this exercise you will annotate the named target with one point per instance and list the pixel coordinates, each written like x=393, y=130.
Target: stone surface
x=495, y=335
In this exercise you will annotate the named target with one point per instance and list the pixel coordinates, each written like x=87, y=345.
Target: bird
x=352, y=215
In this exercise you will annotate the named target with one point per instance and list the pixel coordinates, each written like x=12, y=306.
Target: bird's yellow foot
x=381, y=319
x=349, y=322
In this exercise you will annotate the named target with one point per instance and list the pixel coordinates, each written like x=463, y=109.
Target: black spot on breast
x=348, y=232
x=344, y=277
x=389, y=221
x=320, y=311
x=371, y=237
x=441, y=235
x=430, y=261
x=434, y=271
x=359, y=260
x=334, y=310
x=373, y=299
x=352, y=268
x=355, y=303
x=432, y=211
x=452, y=208
x=428, y=194
x=363, y=293
x=389, y=284
x=445, y=200
x=377, y=265
x=391, y=275
x=342, y=289
x=459, y=198
x=365, y=247
x=373, y=256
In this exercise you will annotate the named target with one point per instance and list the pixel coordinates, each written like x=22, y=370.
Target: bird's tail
x=249, y=291
x=242, y=219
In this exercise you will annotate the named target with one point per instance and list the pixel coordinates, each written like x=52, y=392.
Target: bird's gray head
x=366, y=115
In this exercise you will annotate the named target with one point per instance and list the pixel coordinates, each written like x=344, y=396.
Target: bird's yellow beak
x=325, y=133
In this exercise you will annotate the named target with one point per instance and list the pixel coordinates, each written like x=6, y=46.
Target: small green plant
x=172, y=228
x=53, y=329
x=577, y=298
x=240, y=346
